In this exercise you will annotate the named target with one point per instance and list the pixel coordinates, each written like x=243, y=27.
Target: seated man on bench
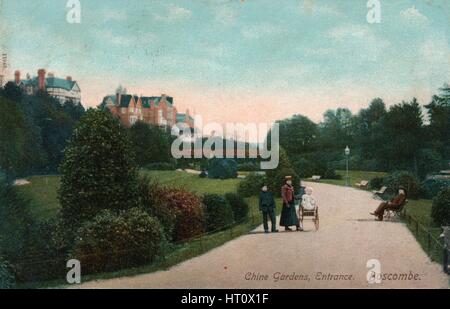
x=393, y=204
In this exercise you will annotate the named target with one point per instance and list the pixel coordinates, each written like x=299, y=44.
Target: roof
x=125, y=100
x=51, y=82
x=146, y=102
x=54, y=82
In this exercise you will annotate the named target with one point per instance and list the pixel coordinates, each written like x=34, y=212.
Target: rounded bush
x=218, y=212
x=278, y=180
x=111, y=242
x=222, y=169
x=331, y=174
x=154, y=202
x=376, y=183
x=276, y=177
x=251, y=185
x=440, y=211
x=238, y=206
x=405, y=179
x=7, y=280
x=179, y=211
x=432, y=186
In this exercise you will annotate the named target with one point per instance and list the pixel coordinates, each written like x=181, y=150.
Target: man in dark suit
x=267, y=207
x=395, y=203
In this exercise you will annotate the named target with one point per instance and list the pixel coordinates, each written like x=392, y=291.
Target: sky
x=237, y=60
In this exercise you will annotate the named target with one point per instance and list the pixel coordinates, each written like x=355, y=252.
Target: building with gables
x=63, y=89
x=159, y=111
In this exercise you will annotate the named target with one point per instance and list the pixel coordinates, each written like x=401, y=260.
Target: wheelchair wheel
x=316, y=221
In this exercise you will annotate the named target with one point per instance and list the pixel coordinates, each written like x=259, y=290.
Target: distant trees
x=34, y=131
x=151, y=144
x=391, y=139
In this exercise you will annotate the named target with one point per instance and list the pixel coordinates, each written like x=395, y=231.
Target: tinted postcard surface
x=237, y=144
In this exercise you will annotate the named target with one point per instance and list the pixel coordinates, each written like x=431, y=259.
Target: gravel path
x=334, y=257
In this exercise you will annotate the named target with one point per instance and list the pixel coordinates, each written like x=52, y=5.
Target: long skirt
x=289, y=215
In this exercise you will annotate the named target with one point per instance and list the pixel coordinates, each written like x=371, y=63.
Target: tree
x=335, y=130
x=12, y=91
x=297, y=134
x=150, y=144
x=403, y=134
x=368, y=127
x=439, y=128
x=20, y=150
x=98, y=171
x=276, y=177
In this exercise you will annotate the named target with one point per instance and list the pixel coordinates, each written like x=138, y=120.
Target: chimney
x=17, y=77
x=69, y=78
x=118, y=97
x=41, y=76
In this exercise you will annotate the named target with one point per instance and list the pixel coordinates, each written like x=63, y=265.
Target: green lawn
x=194, y=183
x=42, y=194
x=417, y=217
x=354, y=177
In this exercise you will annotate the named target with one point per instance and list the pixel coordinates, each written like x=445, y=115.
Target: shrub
x=154, y=203
x=44, y=255
x=238, y=206
x=405, y=179
x=251, y=185
x=203, y=174
x=161, y=166
x=432, y=186
x=440, y=211
x=180, y=211
x=7, y=280
x=222, y=169
x=376, y=183
x=331, y=174
x=303, y=167
x=217, y=211
x=276, y=177
x=249, y=167
x=98, y=171
x=112, y=241
x=15, y=222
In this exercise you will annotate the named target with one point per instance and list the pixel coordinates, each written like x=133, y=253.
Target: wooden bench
x=380, y=192
x=316, y=178
x=363, y=184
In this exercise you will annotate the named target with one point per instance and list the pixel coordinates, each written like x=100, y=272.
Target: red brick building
x=159, y=111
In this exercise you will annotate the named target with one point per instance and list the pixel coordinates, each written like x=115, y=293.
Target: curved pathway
x=334, y=257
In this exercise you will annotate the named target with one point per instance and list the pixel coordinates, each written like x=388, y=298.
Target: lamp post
x=347, y=154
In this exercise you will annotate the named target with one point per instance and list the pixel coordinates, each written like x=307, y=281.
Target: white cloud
x=174, y=13
x=359, y=40
x=260, y=30
x=433, y=60
x=225, y=15
x=113, y=15
x=311, y=8
x=413, y=15
x=348, y=31
x=108, y=36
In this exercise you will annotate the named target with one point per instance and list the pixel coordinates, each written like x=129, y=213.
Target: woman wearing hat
x=288, y=214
